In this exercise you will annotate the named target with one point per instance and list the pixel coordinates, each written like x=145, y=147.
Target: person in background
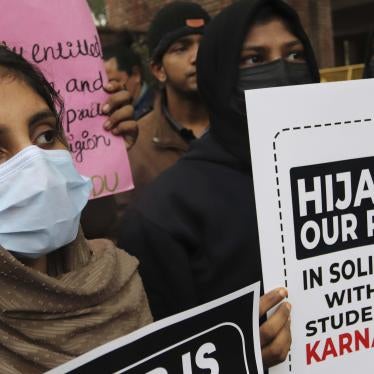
x=125, y=66
x=195, y=229
x=369, y=59
x=179, y=115
x=60, y=294
x=100, y=216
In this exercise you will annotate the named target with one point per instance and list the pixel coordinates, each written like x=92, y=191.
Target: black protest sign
x=218, y=337
x=333, y=206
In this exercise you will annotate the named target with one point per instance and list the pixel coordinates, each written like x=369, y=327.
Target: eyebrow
x=41, y=116
x=294, y=43
x=290, y=44
x=45, y=114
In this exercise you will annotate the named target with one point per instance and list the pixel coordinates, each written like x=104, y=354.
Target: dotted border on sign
x=276, y=137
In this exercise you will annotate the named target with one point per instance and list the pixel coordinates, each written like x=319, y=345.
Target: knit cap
x=173, y=21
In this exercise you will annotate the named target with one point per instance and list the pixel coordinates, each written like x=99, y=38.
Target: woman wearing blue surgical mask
x=60, y=295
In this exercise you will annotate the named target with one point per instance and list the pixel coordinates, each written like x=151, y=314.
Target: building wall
x=352, y=27
x=135, y=15
x=316, y=16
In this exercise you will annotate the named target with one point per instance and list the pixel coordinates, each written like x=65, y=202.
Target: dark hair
x=125, y=56
x=13, y=64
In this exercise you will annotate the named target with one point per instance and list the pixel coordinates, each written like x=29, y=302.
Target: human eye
x=251, y=60
x=178, y=48
x=45, y=136
x=296, y=56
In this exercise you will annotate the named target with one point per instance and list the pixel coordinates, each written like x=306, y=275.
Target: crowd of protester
x=187, y=233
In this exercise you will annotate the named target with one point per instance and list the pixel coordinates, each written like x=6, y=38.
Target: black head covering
x=217, y=68
x=172, y=22
x=368, y=73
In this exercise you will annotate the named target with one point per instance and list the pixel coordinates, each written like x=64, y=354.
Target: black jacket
x=195, y=229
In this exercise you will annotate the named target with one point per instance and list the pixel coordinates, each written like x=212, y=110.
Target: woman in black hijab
x=195, y=229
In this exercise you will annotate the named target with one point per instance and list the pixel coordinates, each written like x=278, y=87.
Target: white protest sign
x=312, y=150
x=221, y=336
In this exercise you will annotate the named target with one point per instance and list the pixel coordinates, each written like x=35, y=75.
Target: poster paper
x=313, y=167
x=60, y=38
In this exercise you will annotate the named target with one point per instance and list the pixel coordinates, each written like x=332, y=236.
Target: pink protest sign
x=61, y=39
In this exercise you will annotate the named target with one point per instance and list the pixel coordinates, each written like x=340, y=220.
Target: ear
x=158, y=71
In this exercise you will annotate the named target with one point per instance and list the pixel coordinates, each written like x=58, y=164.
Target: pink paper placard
x=59, y=36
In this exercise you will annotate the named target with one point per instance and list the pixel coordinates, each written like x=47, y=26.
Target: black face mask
x=273, y=74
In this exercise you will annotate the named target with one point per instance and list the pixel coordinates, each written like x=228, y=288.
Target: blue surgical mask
x=42, y=197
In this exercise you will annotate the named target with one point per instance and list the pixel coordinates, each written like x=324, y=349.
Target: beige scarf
x=91, y=295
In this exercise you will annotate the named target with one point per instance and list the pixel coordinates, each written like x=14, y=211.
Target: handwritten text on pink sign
x=61, y=39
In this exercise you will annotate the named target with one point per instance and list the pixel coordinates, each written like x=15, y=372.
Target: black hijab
x=217, y=68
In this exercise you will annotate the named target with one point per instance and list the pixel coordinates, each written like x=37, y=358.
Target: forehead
x=192, y=38
x=16, y=96
x=275, y=31
x=112, y=62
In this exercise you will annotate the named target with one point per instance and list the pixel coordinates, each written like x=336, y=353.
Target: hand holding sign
x=120, y=111
x=275, y=333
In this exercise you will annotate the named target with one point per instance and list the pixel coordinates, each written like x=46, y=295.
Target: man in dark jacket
x=195, y=229
x=178, y=116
